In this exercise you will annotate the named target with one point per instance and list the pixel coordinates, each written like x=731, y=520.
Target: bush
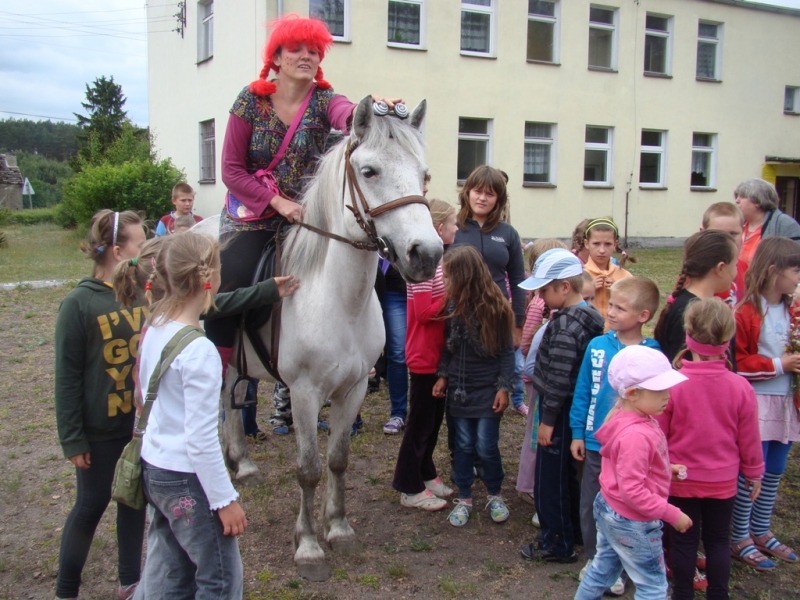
x=138, y=185
x=27, y=216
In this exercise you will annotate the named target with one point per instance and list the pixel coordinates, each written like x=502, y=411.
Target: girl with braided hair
x=709, y=267
x=601, y=239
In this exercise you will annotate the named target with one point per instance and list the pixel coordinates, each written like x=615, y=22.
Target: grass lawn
x=43, y=251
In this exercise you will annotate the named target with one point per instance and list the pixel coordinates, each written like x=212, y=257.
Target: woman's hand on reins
x=287, y=285
x=288, y=209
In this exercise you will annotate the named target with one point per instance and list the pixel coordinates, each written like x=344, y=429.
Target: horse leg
x=309, y=557
x=234, y=444
x=338, y=532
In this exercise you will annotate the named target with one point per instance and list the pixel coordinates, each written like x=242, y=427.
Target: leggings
x=93, y=496
x=239, y=255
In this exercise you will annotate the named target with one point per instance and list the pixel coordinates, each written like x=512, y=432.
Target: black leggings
x=93, y=496
x=713, y=518
x=241, y=251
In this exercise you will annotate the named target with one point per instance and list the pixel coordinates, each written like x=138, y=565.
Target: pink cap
x=642, y=367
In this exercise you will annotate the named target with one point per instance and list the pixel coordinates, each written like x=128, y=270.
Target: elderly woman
x=262, y=116
x=758, y=202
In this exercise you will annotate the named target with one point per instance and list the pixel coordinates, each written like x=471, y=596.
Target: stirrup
x=247, y=402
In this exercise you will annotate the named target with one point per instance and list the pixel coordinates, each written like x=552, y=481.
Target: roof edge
x=785, y=10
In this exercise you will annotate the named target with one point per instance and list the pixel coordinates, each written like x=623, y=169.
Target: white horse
x=332, y=330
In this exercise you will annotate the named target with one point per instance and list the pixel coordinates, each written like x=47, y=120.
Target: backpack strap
x=174, y=347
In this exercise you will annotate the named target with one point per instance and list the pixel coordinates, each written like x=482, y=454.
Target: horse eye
x=369, y=172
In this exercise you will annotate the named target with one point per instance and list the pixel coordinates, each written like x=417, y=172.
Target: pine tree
x=104, y=102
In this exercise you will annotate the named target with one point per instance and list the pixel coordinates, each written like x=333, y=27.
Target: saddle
x=253, y=320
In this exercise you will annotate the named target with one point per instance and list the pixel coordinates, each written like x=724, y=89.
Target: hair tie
x=671, y=299
x=148, y=286
x=624, y=253
x=706, y=349
x=100, y=249
x=207, y=285
x=133, y=261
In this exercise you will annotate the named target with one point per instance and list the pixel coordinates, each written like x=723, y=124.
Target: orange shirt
x=601, y=294
x=750, y=242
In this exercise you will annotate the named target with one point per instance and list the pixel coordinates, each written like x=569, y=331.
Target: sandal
x=768, y=544
x=752, y=558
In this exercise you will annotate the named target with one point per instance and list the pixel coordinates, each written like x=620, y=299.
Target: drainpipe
x=280, y=8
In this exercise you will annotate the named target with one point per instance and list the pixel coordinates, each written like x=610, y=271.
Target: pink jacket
x=635, y=471
x=711, y=424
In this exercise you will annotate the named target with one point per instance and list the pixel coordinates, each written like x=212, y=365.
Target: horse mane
x=305, y=250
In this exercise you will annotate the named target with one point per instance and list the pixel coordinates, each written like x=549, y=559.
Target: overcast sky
x=50, y=50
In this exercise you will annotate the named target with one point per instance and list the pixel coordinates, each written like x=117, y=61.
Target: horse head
x=388, y=163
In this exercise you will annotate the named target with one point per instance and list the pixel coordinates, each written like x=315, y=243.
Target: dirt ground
x=405, y=553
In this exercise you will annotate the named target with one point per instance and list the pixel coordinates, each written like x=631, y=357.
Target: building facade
x=647, y=111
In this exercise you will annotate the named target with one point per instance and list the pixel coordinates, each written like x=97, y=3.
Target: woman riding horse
x=258, y=123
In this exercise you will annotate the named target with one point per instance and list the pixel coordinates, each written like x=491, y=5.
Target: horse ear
x=418, y=115
x=362, y=117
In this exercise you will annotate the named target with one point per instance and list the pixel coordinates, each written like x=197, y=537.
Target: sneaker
x=460, y=514
x=281, y=430
x=323, y=426
x=534, y=553
x=497, y=508
x=125, y=592
x=354, y=430
x=535, y=520
x=359, y=423
x=527, y=498
x=584, y=569
x=437, y=487
x=258, y=436
x=394, y=426
x=700, y=563
x=618, y=589
x=522, y=409
x=700, y=582
x=425, y=500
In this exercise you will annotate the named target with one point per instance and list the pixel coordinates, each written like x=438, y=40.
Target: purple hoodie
x=635, y=472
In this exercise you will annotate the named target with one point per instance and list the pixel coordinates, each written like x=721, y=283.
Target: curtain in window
x=700, y=170
x=404, y=23
x=706, y=60
x=537, y=162
x=475, y=35
x=330, y=11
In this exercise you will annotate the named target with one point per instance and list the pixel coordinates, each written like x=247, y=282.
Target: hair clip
x=207, y=285
x=671, y=299
x=100, y=249
x=148, y=286
x=133, y=261
x=116, y=229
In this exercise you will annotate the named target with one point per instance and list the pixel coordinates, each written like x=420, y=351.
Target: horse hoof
x=250, y=479
x=349, y=545
x=319, y=571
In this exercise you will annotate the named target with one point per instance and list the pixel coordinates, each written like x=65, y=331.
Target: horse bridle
x=366, y=216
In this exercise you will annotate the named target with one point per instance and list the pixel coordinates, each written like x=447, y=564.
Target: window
x=208, y=154
x=709, y=51
x=791, y=100
x=542, y=31
x=597, y=156
x=652, y=163
x=205, y=30
x=477, y=24
x=335, y=13
x=704, y=160
x=539, y=154
x=474, y=137
x=657, y=45
x=406, y=23
x=602, y=38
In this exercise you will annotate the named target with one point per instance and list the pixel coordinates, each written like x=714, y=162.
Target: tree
x=104, y=102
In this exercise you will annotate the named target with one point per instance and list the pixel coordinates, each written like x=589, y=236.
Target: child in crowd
x=535, y=315
x=579, y=248
x=709, y=267
x=589, y=292
x=184, y=223
x=601, y=241
x=195, y=516
x=482, y=202
x=727, y=217
x=476, y=373
x=715, y=440
x=95, y=351
x=415, y=474
x=765, y=320
x=183, y=199
x=632, y=302
x=634, y=479
x=558, y=275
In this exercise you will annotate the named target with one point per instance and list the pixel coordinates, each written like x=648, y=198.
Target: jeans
x=93, y=496
x=249, y=413
x=590, y=487
x=187, y=554
x=518, y=393
x=623, y=543
x=394, y=317
x=477, y=436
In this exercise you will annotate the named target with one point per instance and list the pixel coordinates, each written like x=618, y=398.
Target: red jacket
x=749, y=363
x=425, y=333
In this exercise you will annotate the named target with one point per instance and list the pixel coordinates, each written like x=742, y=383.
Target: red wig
x=289, y=32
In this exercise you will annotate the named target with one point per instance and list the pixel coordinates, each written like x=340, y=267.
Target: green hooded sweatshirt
x=96, y=344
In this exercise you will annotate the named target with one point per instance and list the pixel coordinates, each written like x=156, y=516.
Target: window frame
x=345, y=37
x=205, y=31
x=207, y=141
x=476, y=137
x=608, y=147
x=795, y=109
x=491, y=11
x=668, y=34
x=555, y=20
x=661, y=151
x=551, y=143
x=614, y=28
x=422, y=25
x=717, y=42
x=711, y=150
